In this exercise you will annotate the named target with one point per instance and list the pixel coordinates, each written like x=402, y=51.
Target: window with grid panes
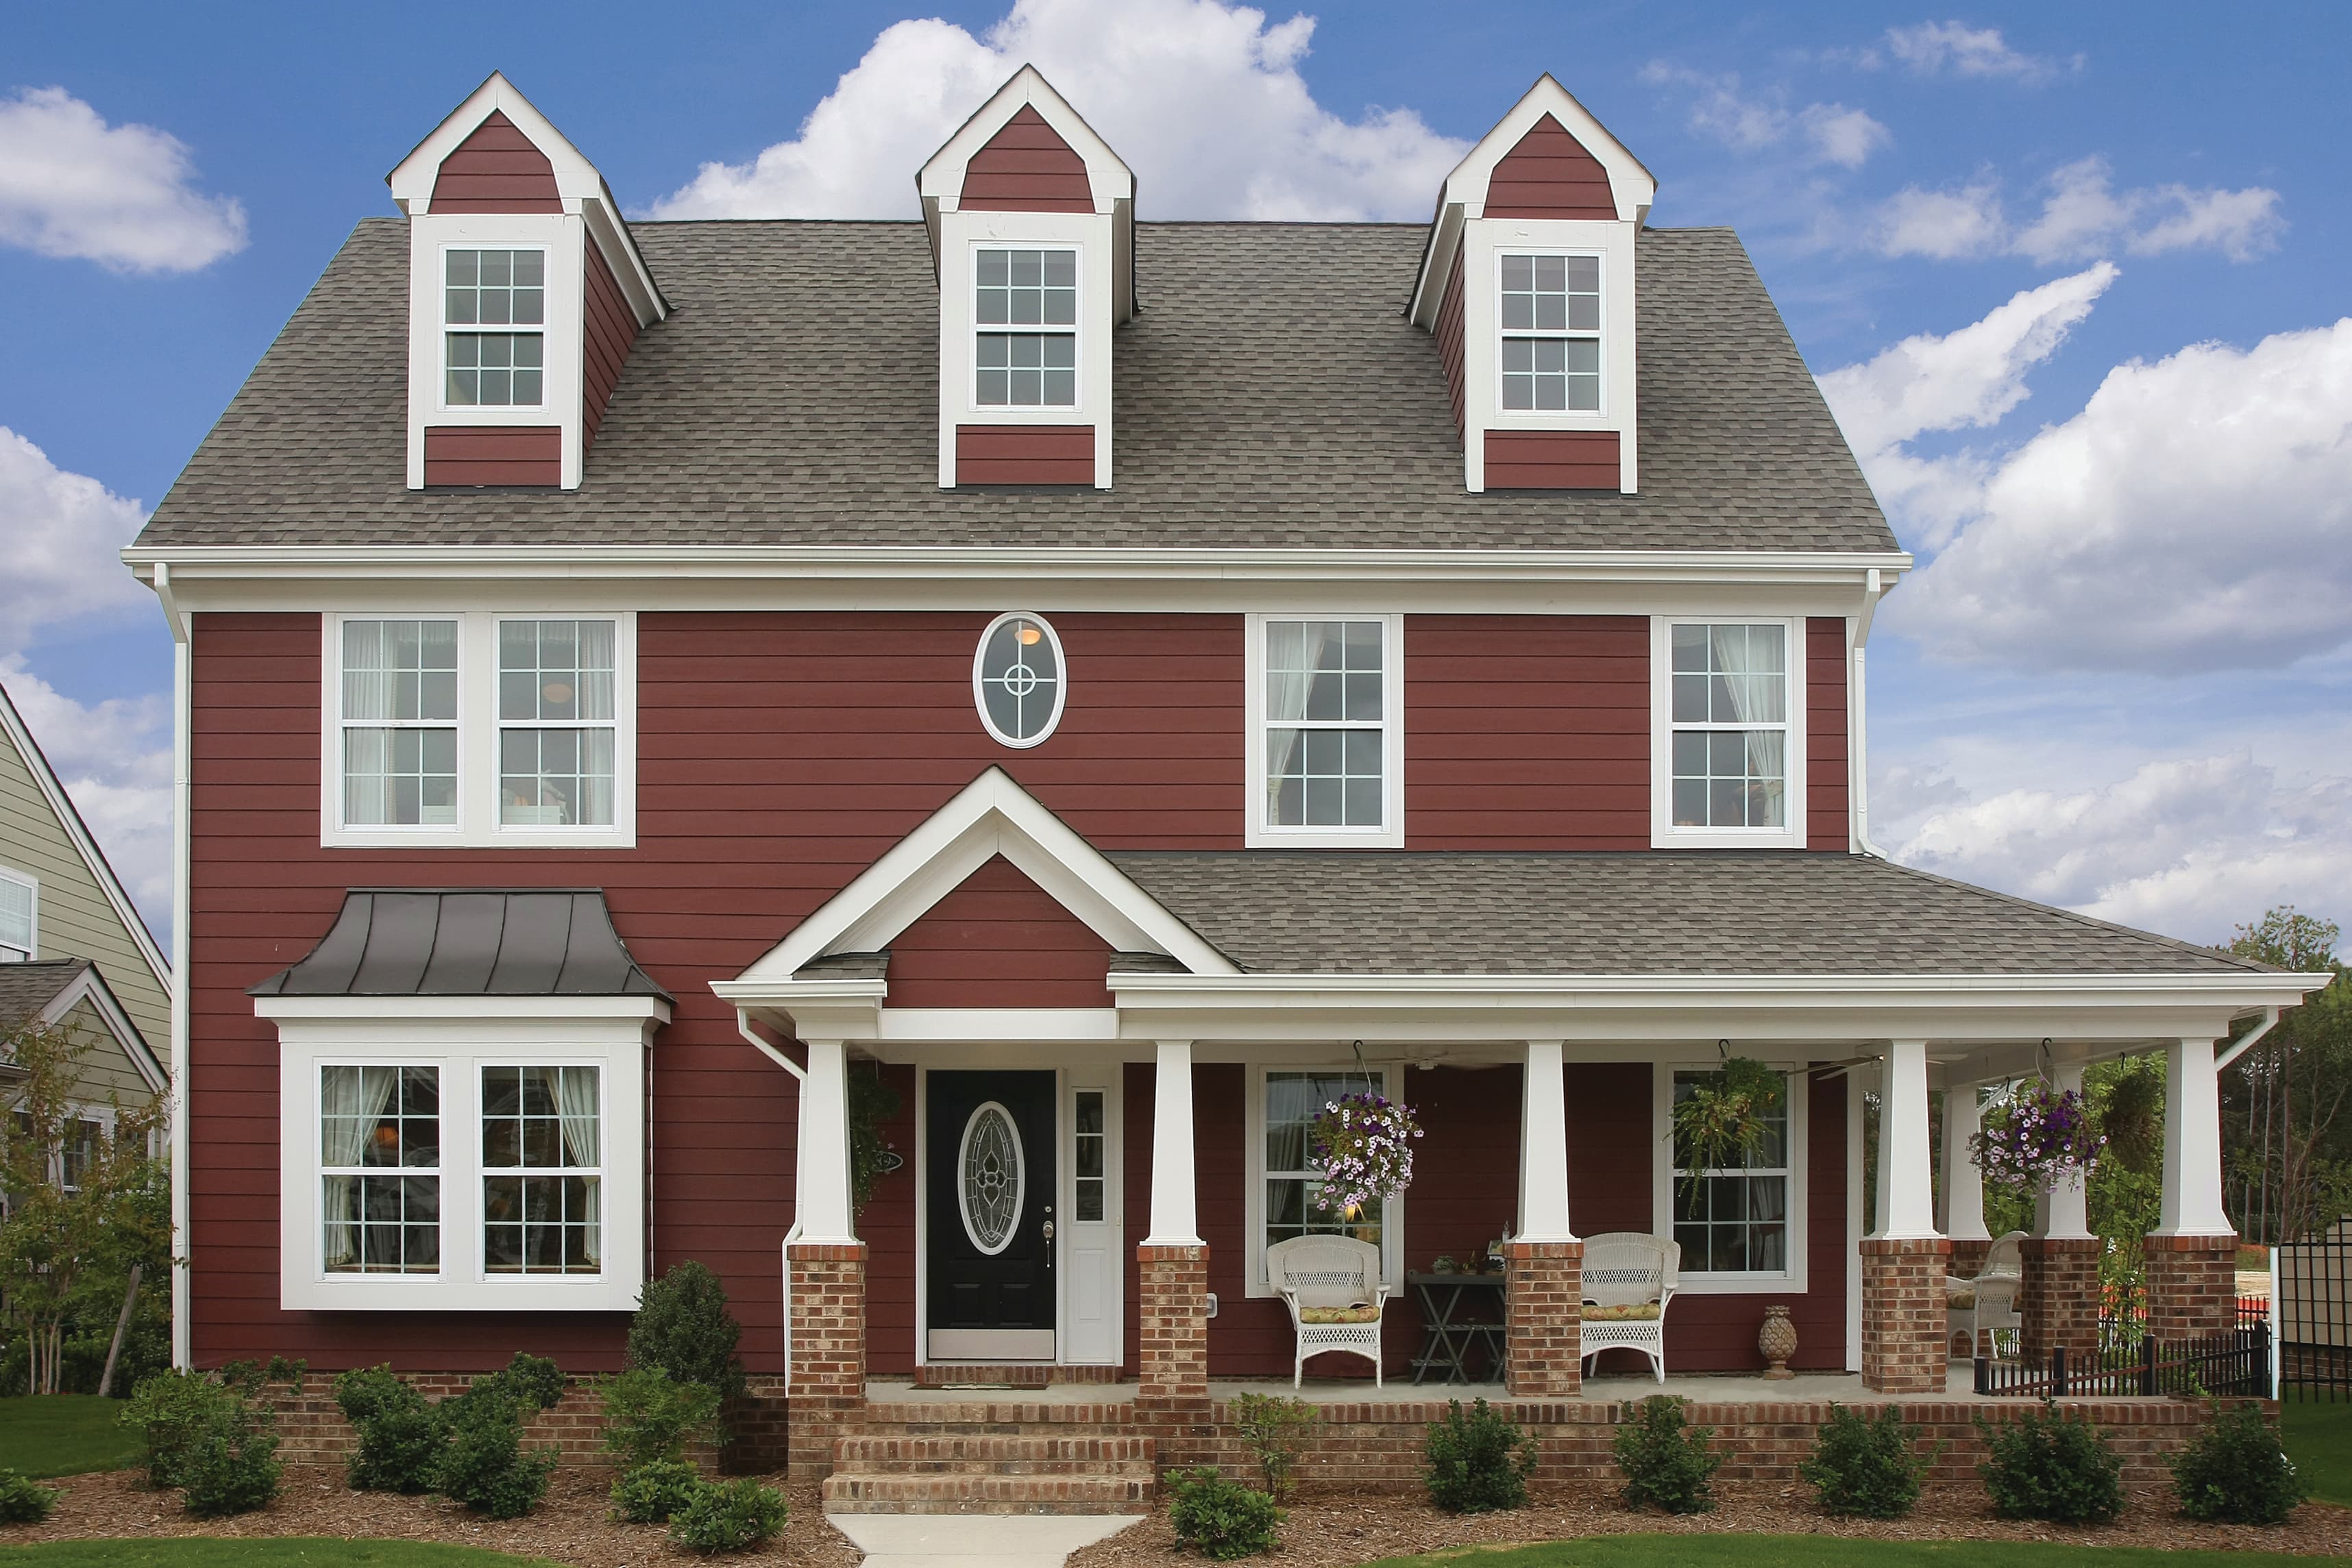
x=543, y=1159
x=1090, y=1154
x=400, y=723
x=1550, y=315
x=1326, y=710
x=1734, y=1219
x=1025, y=309
x=380, y=1165
x=1730, y=725
x=556, y=723
x=494, y=312
x=1293, y=1101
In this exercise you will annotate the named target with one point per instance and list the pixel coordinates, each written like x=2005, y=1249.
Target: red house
x=1122, y=685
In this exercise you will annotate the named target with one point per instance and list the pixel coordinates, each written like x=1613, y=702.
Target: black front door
x=989, y=1214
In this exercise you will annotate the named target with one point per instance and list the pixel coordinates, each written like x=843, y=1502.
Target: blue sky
x=2072, y=275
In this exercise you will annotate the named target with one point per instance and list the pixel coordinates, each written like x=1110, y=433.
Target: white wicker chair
x=1987, y=1303
x=1331, y=1284
x=1629, y=1282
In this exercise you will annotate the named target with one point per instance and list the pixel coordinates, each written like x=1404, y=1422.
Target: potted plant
x=1363, y=1145
x=2034, y=1137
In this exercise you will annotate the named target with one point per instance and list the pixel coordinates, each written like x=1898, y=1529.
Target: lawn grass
x=64, y=1435
x=288, y=1551
x=2318, y=1438
x=1828, y=1551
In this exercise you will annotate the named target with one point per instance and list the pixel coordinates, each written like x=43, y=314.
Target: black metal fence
x=2237, y=1364
x=2311, y=1288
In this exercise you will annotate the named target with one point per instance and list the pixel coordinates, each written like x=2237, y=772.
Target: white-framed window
x=494, y=326
x=1025, y=326
x=1326, y=705
x=479, y=727
x=1019, y=679
x=1728, y=736
x=1089, y=1156
x=20, y=908
x=1284, y=1101
x=1743, y=1227
x=379, y=1167
x=81, y=1141
x=1548, y=312
x=543, y=1168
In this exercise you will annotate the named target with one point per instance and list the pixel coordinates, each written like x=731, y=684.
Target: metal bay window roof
x=421, y=941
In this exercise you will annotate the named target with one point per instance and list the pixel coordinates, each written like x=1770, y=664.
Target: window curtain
x=351, y=1101
x=1752, y=677
x=1294, y=652
x=576, y=1103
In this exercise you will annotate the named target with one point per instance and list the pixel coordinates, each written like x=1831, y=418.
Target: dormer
x=525, y=293
x=1032, y=221
x=1527, y=284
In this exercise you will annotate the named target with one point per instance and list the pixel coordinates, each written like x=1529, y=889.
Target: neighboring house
x=1125, y=682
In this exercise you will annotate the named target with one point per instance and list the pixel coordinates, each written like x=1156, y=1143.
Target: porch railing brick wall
x=1544, y=1313
x=2058, y=1302
x=1903, y=1307
x=828, y=1380
x=2192, y=1286
x=1173, y=1311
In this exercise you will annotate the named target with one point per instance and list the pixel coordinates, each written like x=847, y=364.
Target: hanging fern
x=872, y=1102
x=1727, y=1117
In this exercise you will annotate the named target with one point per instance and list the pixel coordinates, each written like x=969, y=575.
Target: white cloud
x=1940, y=225
x=124, y=196
x=1824, y=133
x=114, y=758
x=1843, y=136
x=1930, y=48
x=2082, y=215
x=59, y=532
x=1203, y=100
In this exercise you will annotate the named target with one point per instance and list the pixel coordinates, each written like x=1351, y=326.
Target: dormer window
x=1550, y=318
x=1026, y=309
x=495, y=316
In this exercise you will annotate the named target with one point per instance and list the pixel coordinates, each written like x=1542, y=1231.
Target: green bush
x=2047, y=1465
x=1666, y=1461
x=234, y=1467
x=530, y=1380
x=1275, y=1430
x=25, y=1501
x=653, y=1491
x=1864, y=1464
x=727, y=1516
x=483, y=1465
x=1478, y=1462
x=1221, y=1519
x=174, y=1411
x=400, y=1432
x=2233, y=1472
x=682, y=1327
x=650, y=1415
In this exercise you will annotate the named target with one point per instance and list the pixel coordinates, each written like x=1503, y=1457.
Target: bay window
x=1325, y=730
x=1727, y=732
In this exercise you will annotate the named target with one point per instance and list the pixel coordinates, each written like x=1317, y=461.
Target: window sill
x=496, y=839
x=1788, y=1284
x=1325, y=838
x=438, y=1293
x=1725, y=839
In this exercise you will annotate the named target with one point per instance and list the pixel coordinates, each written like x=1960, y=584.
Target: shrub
x=1275, y=1430
x=1221, y=1519
x=1864, y=1464
x=530, y=1380
x=2048, y=1465
x=2232, y=1472
x=727, y=1516
x=23, y=1502
x=683, y=1328
x=234, y=1467
x=1666, y=1461
x=175, y=1412
x=399, y=1430
x=650, y=1415
x=1477, y=1462
x=652, y=1493
x=483, y=1465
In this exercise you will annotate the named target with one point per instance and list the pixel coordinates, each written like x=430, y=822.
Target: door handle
x=1049, y=1230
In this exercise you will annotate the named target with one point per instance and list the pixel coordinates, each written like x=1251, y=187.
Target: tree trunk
x=122, y=1328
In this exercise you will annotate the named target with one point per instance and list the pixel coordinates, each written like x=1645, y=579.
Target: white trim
x=1096, y=1245
x=183, y=839
x=1260, y=833
x=32, y=885
x=1175, y=1176
x=1798, y=1224
x=562, y=236
x=1061, y=681
x=1393, y=1215
x=961, y=235
x=1664, y=833
x=1856, y=1224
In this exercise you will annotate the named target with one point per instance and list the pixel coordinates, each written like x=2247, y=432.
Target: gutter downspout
x=2270, y=1022
x=176, y=1092
x=1856, y=720
x=800, y=1075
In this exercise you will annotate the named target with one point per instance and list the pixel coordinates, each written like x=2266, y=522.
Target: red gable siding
x=610, y=327
x=498, y=169
x=1552, y=460
x=1025, y=454
x=1827, y=803
x=528, y=455
x=1550, y=175
x=1027, y=167
x=998, y=940
x=1449, y=334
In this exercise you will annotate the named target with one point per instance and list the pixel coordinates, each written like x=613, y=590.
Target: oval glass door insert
x=992, y=1179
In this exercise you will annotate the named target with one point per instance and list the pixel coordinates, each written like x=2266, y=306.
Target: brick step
x=994, y=1449
x=1126, y=1489
x=1005, y=1375
x=890, y=1417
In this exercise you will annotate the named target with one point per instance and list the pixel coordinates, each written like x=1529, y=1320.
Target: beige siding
x=76, y=920
x=107, y=1073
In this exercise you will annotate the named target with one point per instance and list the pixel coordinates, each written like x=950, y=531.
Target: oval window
x=991, y=1180
x=1017, y=680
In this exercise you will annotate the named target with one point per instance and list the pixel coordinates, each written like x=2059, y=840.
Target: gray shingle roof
x=422, y=942
x=1650, y=912
x=1271, y=395
x=26, y=988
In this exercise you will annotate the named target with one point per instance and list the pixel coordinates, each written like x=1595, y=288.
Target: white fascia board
x=1630, y=185
x=1437, y=263
x=502, y=1010
x=91, y=986
x=1108, y=178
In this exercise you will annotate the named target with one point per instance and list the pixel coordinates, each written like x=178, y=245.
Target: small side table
x=1462, y=1315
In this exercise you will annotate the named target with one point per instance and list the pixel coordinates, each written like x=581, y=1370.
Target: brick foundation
x=1172, y=1304
x=1904, y=1350
x=827, y=1383
x=2059, y=1300
x=1543, y=1297
x=2192, y=1286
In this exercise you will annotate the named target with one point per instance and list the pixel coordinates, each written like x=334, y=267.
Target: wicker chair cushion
x=1627, y=1312
x=1959, y=1297
x=1339, y=1314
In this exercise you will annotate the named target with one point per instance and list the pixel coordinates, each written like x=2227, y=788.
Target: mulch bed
x=572, y=1526
x=1339, y=1531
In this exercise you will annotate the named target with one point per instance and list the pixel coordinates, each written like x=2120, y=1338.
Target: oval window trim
x=1020, y=1177
x=980, y=680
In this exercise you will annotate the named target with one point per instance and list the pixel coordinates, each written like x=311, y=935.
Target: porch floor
x=1708, y=1388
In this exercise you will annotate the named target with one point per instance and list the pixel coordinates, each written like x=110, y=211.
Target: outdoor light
x=1030, y=636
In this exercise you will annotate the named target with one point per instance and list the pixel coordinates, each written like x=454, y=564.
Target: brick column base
x=2192, y=1286
x=826, y=1391
x=1172, y=1302
x=2059, y=1299
x=1903, y=1346
x=1969, y=1255
x=1543, y=1297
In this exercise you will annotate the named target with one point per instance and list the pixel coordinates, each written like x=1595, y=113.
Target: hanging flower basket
x=1727, y=1115
x=2035, y=1138
x=1363, y=1145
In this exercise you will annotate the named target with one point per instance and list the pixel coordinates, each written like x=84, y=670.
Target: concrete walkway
x=975, y=1541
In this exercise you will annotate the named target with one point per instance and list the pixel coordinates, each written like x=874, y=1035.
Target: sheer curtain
x=1751, y=667
x=351, y=1101
x=576, y=1103
x=1294, y=652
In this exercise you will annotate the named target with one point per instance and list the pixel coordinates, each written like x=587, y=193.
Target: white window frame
x=548, y=296
x=320, y=1171
x=483, y=1172
x=460, y=1035
x=1392, y=1222
x=1598, y=336
x=1071, y=412
x=1258, y=832
x=477, y=824
x=32, y=885
x=1664, y=833
x=1788, y=1281
x=1061, y=683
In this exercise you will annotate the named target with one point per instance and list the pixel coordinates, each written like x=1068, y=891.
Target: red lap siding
x=1550, y=175
x=1026, y=167
x=496, y=170
x=1552, y=460
x=1449, y=334
x=1025, y=454
x=998, y=940
x=530, y=454
x=610, y=327
x=1828, y=797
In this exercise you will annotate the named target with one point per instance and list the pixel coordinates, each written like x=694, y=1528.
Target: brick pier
x=826, y=1391
x=1903, y=1348
x=1543, y=1299
x=2059, y=1300
x=2192, y=1286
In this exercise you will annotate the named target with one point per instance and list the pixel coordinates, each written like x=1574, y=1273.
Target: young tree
x=2287, y=1147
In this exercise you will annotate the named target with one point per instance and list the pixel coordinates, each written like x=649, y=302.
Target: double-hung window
x=380, y=1169
x=494, y=314
x=556, y=722
x=1286, y=1182
x=19, y=906
x=1741, y=1226
x=542, y=1171
x=1324, y=736
x=1025, y=317
x=1550, y=318
x=400, y=723
x=1727, y=738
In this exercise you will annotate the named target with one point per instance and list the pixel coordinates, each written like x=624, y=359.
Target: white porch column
x=1174, y=1222
x=822, y=1179
x=2192, y=1143
x=1906, y=1187
x=2064, y=1213
x=1543, y=1147
x=1963, y=1217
